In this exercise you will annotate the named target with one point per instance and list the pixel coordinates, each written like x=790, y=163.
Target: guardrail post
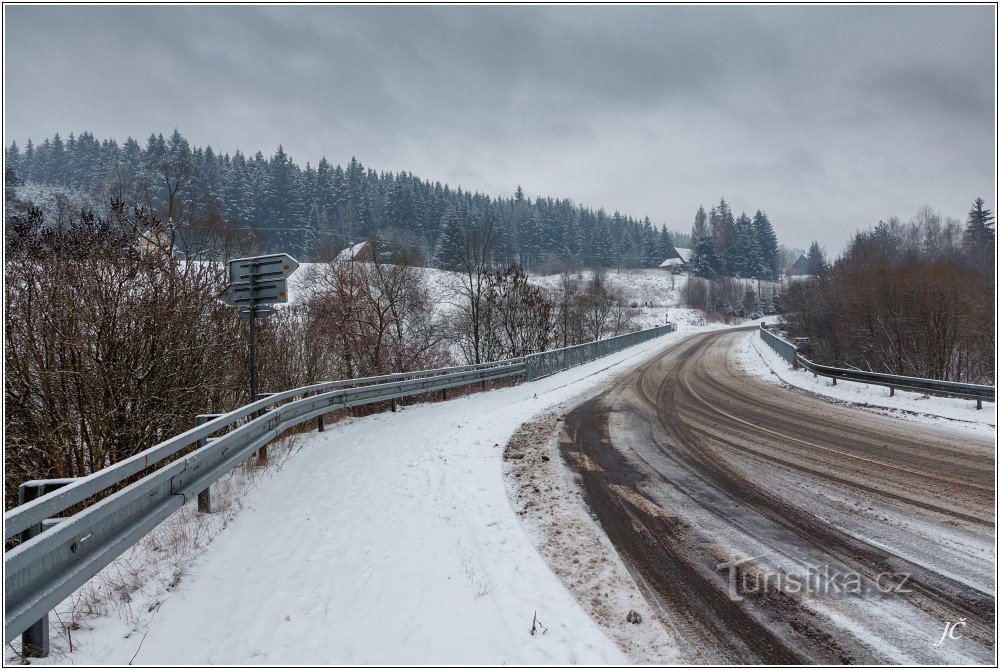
x=444, y=394
x=979, y=403
x=834, y=380
x=205, y=497
x=35, y=641
x=892, y=391
x=320, y=426
x=392, y=404
x=262, y=452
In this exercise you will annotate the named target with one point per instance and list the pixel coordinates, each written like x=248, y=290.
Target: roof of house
x=351, y=252
x=679, y=257
x=800, y=266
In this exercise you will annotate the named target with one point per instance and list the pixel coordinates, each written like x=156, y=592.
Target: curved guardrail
x=57, y=556
x=790, y=353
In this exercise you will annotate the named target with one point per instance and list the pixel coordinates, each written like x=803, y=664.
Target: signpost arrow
x=272, y=266
x=250, y=293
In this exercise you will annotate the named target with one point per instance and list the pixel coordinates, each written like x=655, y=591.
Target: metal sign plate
x=245, y=293
x=270, y=267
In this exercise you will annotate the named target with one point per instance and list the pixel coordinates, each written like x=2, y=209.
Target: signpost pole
x=262, y=453
x=254, y=285
x=253, y=353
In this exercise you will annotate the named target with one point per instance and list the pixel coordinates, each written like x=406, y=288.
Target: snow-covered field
x=386, y=539
x=957, y=413
x=655, y=291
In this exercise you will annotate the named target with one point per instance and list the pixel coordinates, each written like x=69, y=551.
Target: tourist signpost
x=254, y=285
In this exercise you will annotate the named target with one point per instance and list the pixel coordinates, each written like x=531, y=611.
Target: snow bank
x=387, y=539
x=759, y=359
x=549, y=500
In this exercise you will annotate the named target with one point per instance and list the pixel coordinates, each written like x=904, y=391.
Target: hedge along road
x=770, y=526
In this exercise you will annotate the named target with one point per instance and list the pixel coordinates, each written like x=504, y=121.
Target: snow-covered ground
x=655, y=292
x=386, y=539
x=759, y=359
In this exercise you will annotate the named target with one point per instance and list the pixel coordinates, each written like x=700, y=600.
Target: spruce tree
x=816, y=259
x=979, y=233
x=724, y=237
x=704, y=260
x=664, y=245
x=744, y=256
x=768, y=260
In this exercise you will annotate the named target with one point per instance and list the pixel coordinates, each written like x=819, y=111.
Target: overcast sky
x=828, y=118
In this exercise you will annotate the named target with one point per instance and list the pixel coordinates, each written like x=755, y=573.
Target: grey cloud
x=847, y=113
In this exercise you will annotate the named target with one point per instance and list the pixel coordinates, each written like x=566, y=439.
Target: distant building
x=679, y=258
x=800, y=268
x=363, y=252
x=156, y=242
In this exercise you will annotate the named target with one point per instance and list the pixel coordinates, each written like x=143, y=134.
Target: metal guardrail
x=56, y=556
x=547, y=363
x=786, y=350
x=790, y=353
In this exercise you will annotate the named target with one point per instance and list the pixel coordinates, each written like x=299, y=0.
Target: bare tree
x=378, y=315
x=472, y=242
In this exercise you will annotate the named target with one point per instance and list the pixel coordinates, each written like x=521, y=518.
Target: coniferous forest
x=315, y=210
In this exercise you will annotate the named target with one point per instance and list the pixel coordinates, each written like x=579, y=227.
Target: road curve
x=771, y=526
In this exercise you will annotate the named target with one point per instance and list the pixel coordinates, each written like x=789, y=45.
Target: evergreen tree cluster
x=314, y=209
x=737, y=247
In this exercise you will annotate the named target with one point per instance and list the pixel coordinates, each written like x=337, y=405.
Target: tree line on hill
x=316, y=210
x=912, y=298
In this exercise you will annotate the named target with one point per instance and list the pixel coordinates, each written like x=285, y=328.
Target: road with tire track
x=768, y=525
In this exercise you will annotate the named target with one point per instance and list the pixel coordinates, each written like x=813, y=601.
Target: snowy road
x=387, y=539
x=771, y=526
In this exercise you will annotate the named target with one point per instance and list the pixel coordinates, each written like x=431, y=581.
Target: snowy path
x=387, y=539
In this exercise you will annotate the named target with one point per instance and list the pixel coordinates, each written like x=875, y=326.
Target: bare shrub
x=902, y=299
x=369, y=318
x=517, y=318
x=110, y=345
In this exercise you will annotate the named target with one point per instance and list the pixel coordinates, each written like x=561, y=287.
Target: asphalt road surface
x=771, y=526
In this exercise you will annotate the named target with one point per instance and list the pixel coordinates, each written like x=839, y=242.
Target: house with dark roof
x=800, y=268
